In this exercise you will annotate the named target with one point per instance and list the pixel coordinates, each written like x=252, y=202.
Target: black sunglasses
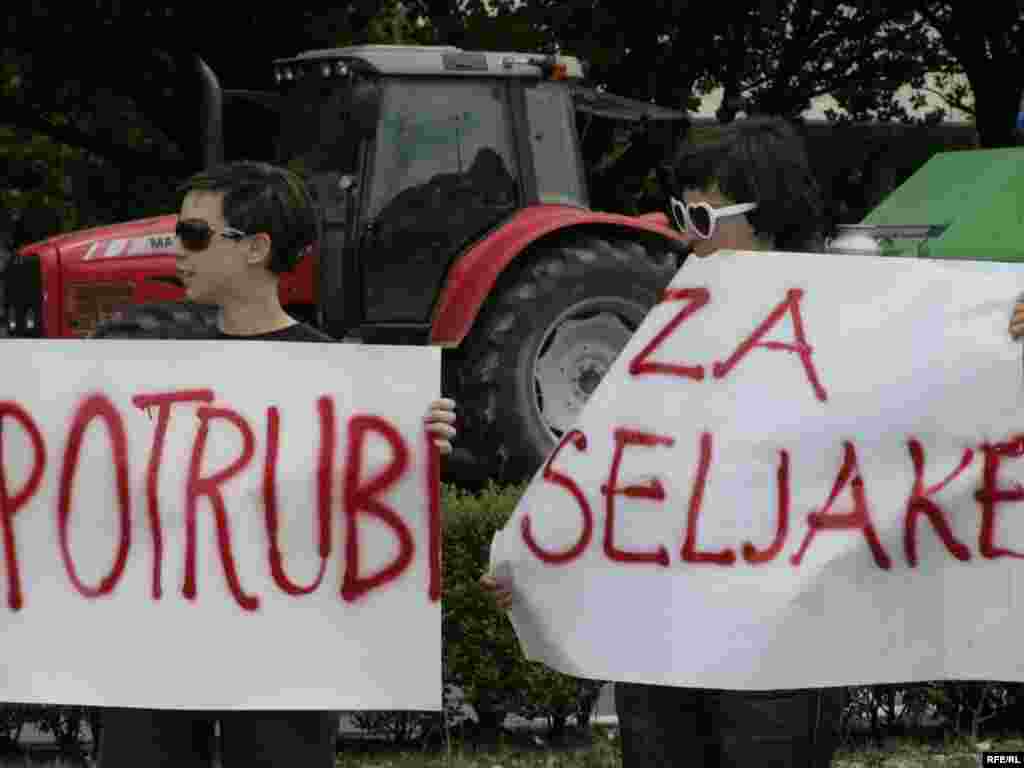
x=196, y=234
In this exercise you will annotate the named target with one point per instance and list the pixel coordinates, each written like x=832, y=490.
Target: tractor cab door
x=442, y=173
x=326, y=127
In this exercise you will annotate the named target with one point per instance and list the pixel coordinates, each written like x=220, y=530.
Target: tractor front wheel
x=546, y=339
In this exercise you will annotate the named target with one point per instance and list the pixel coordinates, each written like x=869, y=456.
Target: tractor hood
x=127, y=240
x=967, y=204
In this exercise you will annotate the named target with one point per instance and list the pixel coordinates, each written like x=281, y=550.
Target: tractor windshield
x=444, y=144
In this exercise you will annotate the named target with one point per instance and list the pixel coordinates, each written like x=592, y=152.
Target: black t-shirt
x=296, y=332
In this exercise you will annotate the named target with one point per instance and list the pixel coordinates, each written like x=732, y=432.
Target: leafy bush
x=481, y=652
x=397, y=727
x=13, y=718
x=966, y=706
x=65, y=725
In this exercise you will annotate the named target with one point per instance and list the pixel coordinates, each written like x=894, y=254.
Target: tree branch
x=951, y=101
x=125, y=157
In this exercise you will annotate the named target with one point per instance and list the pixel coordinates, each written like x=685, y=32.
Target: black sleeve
x=301, y=332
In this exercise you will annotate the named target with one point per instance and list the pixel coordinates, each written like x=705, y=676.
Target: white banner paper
x=219, y=526
x=803, y=470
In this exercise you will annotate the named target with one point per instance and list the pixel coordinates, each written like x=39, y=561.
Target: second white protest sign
x=798, y=473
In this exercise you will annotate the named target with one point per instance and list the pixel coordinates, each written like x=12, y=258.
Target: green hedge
x=481, y=653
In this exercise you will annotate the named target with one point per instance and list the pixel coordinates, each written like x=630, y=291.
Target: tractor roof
x=440, y=60
x=446, y=60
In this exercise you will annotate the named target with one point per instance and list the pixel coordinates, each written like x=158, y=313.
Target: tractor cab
x=414, y=153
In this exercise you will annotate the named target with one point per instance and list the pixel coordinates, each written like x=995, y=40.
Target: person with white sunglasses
x=750, y=190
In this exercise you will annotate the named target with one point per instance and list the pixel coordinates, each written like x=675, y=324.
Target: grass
x=913, y=753
x=602, y=752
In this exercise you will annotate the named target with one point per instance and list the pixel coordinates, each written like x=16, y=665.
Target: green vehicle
x=959, y=205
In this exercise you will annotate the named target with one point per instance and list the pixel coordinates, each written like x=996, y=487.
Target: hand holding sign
x=440, y=420
x=1017, y=321
x=497, y=584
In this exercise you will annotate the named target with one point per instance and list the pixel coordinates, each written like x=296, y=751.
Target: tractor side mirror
x=332, y=193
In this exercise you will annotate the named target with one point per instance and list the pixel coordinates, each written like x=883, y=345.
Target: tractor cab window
x=443, y=174
x=552, y=130
x=443, y=157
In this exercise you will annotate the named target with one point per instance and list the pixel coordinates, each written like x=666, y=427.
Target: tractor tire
x=163, y=320
x=544, y=340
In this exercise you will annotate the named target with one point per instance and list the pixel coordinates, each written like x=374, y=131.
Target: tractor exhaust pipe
x=211, y=116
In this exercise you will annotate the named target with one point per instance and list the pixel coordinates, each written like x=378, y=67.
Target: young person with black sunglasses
x=750, y=190
x=241, y=225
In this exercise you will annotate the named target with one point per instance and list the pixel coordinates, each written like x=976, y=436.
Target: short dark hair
x=764, y=161
x=259, y=197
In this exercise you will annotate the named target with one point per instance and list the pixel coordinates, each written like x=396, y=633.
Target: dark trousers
x=185, y=739
x=668, y=727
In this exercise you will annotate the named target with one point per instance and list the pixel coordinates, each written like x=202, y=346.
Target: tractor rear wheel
x=546, y=338
x=161, y=320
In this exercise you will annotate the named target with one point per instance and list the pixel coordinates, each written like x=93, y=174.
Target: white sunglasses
x=700, y=218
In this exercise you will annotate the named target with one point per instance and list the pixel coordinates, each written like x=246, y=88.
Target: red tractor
x=455, y=212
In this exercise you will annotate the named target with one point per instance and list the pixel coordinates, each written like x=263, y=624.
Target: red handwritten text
x=97, y=406
x=360, y=498
x=163, y=403
x=690, y=553
x=9, y=505
x=209, y=487
x=921, y=503
x=991, y=494
x=642, y=365
x=552, y=475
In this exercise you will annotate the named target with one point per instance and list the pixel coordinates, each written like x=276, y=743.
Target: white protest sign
x=200, y=525
x=803, y=470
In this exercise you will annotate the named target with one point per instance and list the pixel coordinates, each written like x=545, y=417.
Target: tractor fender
x=475, y=273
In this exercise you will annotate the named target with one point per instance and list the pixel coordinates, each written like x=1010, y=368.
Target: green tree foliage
x=105, y=137
x=986, y=46
x=778, y=56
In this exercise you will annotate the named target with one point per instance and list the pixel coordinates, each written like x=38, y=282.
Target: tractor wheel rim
x=574, y=356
